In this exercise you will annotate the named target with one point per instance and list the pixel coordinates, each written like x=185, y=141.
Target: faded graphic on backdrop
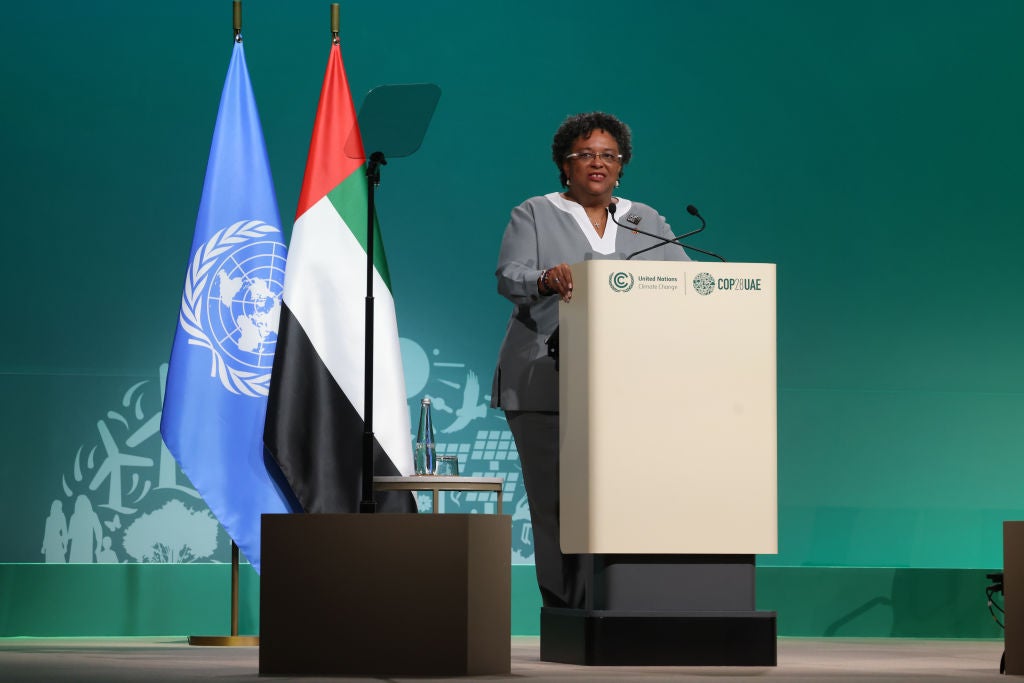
x=124, y=495
x=123, y=498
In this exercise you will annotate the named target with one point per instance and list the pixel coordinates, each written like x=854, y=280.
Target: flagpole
x=411, y=117
x=366, y=504
x=234, y=639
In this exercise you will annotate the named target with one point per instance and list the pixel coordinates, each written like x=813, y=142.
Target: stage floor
x=152, y=660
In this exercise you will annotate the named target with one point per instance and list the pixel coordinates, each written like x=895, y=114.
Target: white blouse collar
x=602, y=245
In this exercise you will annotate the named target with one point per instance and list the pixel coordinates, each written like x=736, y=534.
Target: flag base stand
x=234, y=640
x=385, y=595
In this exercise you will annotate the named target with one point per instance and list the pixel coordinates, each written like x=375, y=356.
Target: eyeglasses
x=587, y=157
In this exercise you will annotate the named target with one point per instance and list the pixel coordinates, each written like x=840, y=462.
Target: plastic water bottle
x=425, y=460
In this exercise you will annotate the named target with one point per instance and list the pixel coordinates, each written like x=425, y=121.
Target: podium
x=668, y=448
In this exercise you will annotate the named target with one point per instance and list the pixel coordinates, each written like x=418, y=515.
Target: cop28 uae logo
x=231, y=304
x=620, y=281
x=704, y=283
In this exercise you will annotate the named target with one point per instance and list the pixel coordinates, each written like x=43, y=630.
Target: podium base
x=634, y=638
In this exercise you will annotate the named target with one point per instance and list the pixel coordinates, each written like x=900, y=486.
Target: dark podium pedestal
x=385, y=595
x=663, y=610
x=633, y=638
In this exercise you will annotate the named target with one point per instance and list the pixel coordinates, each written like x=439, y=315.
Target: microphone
x=690, y=209
x=661, y=240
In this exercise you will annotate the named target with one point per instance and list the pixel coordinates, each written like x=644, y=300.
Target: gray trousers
x=559, y=576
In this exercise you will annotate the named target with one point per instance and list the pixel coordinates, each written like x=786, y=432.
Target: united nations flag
x=216, y=396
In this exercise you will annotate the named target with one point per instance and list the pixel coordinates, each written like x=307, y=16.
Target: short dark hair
x=582, y=126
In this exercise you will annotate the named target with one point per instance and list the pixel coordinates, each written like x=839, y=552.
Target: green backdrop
x=872, y=149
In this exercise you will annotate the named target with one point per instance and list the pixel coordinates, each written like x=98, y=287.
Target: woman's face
x=596, y=176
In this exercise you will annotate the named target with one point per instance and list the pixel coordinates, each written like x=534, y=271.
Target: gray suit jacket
x=543, y=232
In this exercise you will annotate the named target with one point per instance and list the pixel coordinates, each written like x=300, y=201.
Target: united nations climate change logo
x=704, y=283
x=231, y=304
x=620, y=281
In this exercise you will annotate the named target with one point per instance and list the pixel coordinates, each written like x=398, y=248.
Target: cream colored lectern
x=667, y=392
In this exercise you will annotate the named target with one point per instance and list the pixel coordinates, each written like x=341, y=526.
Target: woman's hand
x=557, y=280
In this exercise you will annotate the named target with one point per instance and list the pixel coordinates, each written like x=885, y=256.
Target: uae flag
x=314, y=425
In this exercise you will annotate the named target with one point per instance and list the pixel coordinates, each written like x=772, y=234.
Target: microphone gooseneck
x=690, y=209
x=662, y=240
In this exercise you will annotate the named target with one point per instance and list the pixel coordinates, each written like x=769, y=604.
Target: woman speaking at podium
x=543, y=236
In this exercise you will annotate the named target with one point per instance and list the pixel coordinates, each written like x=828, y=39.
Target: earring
x=616, y=183
x=568, y=182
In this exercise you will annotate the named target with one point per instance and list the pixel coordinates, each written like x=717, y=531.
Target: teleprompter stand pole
x=392, y=121
x=367, y=504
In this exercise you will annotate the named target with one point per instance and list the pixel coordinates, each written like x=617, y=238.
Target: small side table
x=429, y=482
